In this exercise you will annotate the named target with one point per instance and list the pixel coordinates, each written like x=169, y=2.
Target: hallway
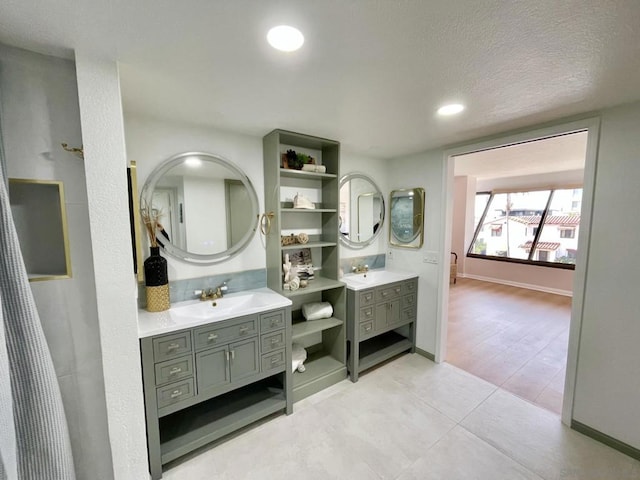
x=512, y=337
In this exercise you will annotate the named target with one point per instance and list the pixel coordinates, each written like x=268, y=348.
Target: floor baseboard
x=539, y=288
x=426, y=354
x=606, y=439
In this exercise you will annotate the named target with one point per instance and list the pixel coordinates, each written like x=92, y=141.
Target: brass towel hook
x=264, y=221
x=79, y=152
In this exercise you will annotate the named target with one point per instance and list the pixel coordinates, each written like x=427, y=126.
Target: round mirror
x=361, y=210
x=207, y=207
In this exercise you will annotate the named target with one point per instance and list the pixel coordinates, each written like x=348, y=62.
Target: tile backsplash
x=373, y=261
x=180, y=290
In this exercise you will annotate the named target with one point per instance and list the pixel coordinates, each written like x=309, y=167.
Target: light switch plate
x=430, y=257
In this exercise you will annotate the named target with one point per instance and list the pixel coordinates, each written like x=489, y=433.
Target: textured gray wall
x=39, y=111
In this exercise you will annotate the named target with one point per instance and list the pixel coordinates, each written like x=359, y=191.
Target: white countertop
x=192, y=313
x=375, y=278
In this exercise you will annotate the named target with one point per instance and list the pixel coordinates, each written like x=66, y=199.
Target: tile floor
x=512, y=337
x=410, y=419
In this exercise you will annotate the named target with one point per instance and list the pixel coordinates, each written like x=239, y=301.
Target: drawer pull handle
x=274, y=341
x=176, y=393
x=368, y=314
x=397, y=290
x=212, y=336
x=227, y=355
x=173, y=346
x=274, y=323
x=274, y=360
x=175, y=371
x=243, y=330
x=384, y=294
x=367, y=328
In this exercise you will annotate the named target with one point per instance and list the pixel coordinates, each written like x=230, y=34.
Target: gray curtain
x=34, y=438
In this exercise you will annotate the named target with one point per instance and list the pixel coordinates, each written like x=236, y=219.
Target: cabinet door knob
x=176, y=393
x=175, y=371
x=212, y=336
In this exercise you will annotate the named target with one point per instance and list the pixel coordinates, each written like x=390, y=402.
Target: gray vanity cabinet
x=203, y=383
x=381, y=323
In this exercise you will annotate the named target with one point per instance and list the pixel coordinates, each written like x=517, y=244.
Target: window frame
x=538, y=230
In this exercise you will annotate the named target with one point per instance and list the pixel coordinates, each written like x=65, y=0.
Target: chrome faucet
x=212, y=293
x=360, y=268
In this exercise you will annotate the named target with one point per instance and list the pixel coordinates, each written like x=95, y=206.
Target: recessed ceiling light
x=192, y=162
x=451, y=109
x=285, y=38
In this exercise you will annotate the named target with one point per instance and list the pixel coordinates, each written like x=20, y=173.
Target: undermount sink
x=195, y=312
x=372, y=278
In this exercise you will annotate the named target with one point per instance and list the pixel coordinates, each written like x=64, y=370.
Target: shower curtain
x=34, y=438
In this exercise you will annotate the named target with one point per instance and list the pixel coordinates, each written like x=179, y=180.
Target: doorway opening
x=515, y=213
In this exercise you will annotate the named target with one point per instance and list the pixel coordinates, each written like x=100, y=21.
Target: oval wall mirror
x=208, y=207
x=361, y=210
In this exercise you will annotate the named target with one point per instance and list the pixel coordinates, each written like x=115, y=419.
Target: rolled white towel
x=316, y=311
x=298, y=356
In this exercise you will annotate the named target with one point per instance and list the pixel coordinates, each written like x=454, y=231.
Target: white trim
x=592, y=126
x=528, y=286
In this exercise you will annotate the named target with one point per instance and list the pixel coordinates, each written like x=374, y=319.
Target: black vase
x=155, y=269
x=156, y=281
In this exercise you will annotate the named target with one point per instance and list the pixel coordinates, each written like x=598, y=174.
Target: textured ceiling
x=556, y=154
x=371, y=72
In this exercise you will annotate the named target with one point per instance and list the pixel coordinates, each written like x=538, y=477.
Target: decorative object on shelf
x=406, y=212
x=300, y=201
x=317, y=310
x=264, y=221
x=155, y=266
x=290, y=279
x=296, y=161
x=314, y=168
x=301, y=238
x=78, y=152
x=298, y=356
x=301, y=261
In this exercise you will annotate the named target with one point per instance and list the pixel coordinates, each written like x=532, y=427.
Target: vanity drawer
x=366, y=330
x=170, y=346
x=367, y=297
x=409, y=300
x=388, y=292
x=272, y=321
x=173, y=370
x=210, y=336
x=272, y=341
x=273, y=361
x=175, y=392
x=408, y=315
x=410, y=286
x=367, y=313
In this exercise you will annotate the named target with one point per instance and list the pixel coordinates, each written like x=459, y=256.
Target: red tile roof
x=541, y=245
x=562, y=220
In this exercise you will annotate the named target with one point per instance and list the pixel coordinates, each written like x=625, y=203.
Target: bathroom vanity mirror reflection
x=208, y=207
x=406, y=213
x=361, y=210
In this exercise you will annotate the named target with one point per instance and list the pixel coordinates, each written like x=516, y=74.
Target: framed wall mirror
x=361, y=210
x=406, y=212
x=208, y=207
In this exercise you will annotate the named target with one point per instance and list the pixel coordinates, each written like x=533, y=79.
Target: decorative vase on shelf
x=156, y=282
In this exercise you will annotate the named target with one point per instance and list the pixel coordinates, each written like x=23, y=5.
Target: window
x=567, y=233
x=529, y=227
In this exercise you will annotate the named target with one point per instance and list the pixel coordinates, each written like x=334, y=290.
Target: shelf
x=381, y=348
x=286, y=172
x=319, y=367
x=298, y=246
x=318, y=284
x=205, y=422
x=307, y=327
x=308, y=210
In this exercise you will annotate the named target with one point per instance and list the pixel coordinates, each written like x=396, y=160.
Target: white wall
x=607, y=395
x=39, y=109
x=151, y=141
x=423, y=170
x=106, y=183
